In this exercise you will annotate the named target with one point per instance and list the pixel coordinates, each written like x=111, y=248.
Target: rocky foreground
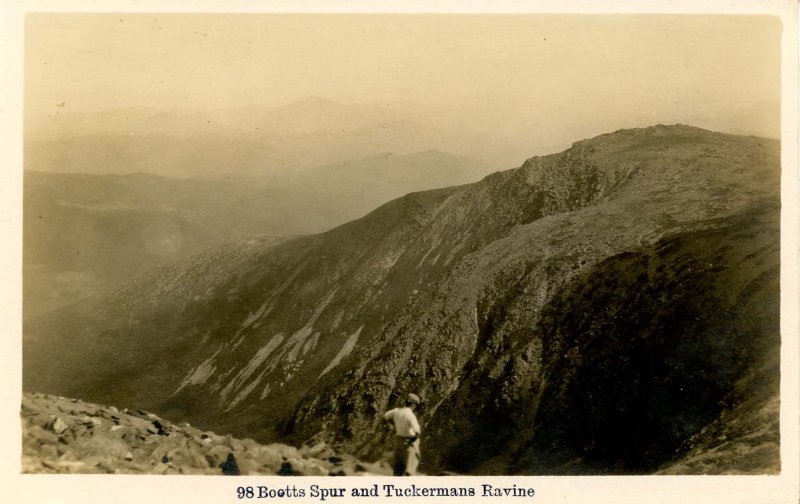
x=62, y=435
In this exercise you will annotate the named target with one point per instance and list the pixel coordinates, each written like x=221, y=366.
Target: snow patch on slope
x=200, y=373
x=436, y=242
x=257, y=360
x=344, y=351
x=244, y=393
x=252, y=317
x=300, y=339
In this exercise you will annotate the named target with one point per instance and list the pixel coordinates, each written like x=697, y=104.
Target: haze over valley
x=88, y=233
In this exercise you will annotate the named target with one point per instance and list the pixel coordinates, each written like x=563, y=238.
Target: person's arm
x=388, y=419
x=415, y=426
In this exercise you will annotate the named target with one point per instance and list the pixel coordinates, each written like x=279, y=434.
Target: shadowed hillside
x=608, y=309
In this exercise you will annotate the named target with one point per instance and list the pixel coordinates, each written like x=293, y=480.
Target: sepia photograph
x=404, y=244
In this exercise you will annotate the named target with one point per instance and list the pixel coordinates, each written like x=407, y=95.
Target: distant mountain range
x=85, y=233
x=252, y=141
x=611, y=309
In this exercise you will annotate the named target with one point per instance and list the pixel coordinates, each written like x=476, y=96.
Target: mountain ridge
x=446, y=292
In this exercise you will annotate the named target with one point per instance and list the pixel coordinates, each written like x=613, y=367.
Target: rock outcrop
x=63, y=435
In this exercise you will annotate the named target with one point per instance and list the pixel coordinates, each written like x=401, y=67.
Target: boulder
x=284, y=451
x=159, y=428
x=39, y=436
x=229, y=467
x=216, y=455
x=90, y=421
x=56, y=425
x=101, y=447
x=49, y=451
x=267, y=460
x=303, y=467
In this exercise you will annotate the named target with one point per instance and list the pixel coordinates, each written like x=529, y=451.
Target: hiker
x=406, y=441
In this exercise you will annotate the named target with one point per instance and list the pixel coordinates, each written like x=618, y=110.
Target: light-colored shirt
x=405, y=422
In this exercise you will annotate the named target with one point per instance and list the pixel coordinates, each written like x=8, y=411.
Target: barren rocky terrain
x=63, y=435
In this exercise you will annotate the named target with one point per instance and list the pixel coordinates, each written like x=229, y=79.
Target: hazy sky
x=553, y=72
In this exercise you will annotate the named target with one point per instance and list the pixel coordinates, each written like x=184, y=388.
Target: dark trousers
x=406, y=456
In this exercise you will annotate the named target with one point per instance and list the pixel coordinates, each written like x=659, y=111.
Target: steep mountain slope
x=85, y=234
x=590, y=311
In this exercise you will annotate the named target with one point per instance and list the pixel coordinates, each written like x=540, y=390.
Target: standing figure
x=406, y=441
